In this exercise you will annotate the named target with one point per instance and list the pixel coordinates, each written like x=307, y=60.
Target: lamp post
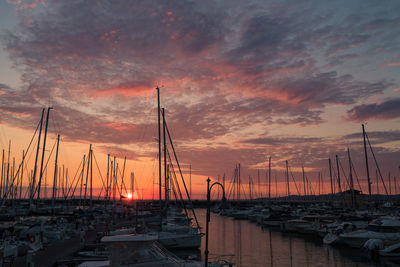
x=208, y=213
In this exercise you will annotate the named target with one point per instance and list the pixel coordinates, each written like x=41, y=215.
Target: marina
x=82, y=226
x=199, y=133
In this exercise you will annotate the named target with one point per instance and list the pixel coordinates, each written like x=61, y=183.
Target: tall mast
x=269, y=178
x=239, y=181
x=366, y=162
x=22, y=174
x=53, y=197
x=250, y=197
x=223, y=181
x=43, y=151
x=36, y=159
x=390, y=185
x=87, y=170
x=110, y=182
x=91, y=177
x=234, y=182
x=115, y=178
x=287, y=179
x=350, y=170
x=82, y=173
x=258, y=193
x=159, y=151
x=330, y=174
x=190, y=180
x=132, y=186
x=338, y=173
x=8, y=169
x=123, y=175
x=319, y=183
x=304, y=180
x=108, y=174
x=2, y=175
x=66, y=183
x=165, y=162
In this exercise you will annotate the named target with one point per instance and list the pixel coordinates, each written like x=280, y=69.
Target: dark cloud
x=388, y=109
x=329, y=88
x=273, y=141
x=377, y=137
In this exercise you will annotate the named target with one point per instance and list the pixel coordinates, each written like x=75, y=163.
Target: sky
x=240, y=81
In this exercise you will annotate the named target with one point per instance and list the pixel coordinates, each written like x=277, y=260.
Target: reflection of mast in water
x=328, y=258
x=290, y=251
x=237, y=241
x=306, y=253
x=270, y=249
x=240, y=242
x=223, y=225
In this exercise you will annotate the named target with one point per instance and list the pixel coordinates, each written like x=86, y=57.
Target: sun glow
x=130, y=196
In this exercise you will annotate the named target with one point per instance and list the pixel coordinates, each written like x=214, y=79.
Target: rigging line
x=45, y=167
x=174, y=191
x=376, y=163
x=81, y=165
x=310, y=184
x=28, y=157
x=180, y=171
x=230, y=187
x=19, y=168
x=122, y=180
x=344, y=174
x=99, y=196
x=295, y=184
x=98, y=168
x=355, y=172
x=176, y=181
x=334, y=178
x=73, y=180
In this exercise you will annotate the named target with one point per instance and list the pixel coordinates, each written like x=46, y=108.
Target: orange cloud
x=126, y=90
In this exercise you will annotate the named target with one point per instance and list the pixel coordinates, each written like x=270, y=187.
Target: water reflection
x=249, y=245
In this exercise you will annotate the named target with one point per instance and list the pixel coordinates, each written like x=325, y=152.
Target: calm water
x=250, y=245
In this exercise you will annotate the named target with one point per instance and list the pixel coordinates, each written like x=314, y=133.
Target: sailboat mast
x=269, y=178
x=91, y=177
x=87, y=171
x=36, y=159
x=366, y=162
x=165, y=162
x=22, y=174
x=43, y=151
x=304, y=180
x=287, y=178
x=159, y=152
x=53, y=197
x=2, y=175
x=132, y=186
x=338, y=173
x=330, y=174
x=108, y=175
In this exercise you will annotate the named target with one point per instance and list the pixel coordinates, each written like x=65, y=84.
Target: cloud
x=388, y=109
x=377, y=137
